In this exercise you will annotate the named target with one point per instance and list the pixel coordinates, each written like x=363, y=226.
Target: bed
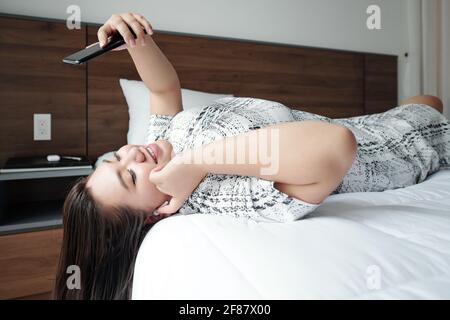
x=394, y=244
x=380, y=245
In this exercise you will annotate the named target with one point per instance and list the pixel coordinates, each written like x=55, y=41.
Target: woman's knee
x=429, y=100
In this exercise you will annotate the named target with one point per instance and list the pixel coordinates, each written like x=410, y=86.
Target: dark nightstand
x=31, y=202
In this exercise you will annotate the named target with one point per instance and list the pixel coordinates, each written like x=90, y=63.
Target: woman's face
x=123, y=181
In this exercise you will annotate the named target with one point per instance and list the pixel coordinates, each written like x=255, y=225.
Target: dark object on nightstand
x=40, y=167
x=42, y=162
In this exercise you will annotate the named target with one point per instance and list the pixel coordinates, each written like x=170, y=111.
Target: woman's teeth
x=150, y=151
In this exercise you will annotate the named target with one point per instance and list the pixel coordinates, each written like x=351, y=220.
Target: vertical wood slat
x=380, y=83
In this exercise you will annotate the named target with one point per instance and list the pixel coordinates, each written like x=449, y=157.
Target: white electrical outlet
x=42, y=126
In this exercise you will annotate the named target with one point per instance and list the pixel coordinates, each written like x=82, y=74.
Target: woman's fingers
x=171, y=207
x=123, y=29
x=123, y=23
x=144, y=22
x=103, y=33
x=156, y=176
x=136, y=26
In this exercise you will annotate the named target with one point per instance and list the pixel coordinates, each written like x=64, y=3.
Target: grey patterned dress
x=396, y=148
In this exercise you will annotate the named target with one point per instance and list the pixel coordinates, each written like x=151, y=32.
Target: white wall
x=338, y=24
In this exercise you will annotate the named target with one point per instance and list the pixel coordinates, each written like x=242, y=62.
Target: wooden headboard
x=89, y=111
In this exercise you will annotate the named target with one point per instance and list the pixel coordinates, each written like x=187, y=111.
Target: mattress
x=380, y=245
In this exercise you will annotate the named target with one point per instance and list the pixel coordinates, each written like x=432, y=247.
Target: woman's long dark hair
x=102, y=242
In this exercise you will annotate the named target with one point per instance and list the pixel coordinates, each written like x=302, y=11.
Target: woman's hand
x=178, y=179
x=122, y=23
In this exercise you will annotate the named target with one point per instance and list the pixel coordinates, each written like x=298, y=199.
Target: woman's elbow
x=345, y=151
x=349, y=148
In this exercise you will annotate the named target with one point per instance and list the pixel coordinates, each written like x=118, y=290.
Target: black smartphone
x=79, y=57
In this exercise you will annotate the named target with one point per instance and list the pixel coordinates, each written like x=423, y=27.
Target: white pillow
x=138, y=100
x=106, y=156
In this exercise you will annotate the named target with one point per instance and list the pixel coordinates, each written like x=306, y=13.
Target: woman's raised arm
x=152, y=65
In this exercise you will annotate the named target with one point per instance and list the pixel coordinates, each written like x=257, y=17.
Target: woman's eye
x=116, y=155
x=133, y=176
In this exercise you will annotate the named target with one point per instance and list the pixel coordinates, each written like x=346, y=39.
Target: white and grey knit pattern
x=405, y=144
x=396, y=148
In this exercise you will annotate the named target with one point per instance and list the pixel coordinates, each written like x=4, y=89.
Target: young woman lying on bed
x=301, y=159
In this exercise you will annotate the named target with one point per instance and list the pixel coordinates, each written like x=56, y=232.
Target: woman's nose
x=134, y=154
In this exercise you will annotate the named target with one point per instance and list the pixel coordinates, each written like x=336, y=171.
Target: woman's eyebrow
x=122, y=182
x=119, y=176
x=109, y=161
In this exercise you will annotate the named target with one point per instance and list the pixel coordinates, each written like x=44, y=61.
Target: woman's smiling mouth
x=153, y=151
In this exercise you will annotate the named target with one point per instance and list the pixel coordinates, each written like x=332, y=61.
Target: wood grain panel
x=28, y=263
x=33, y=79
x=380, y=83
x=316, y=80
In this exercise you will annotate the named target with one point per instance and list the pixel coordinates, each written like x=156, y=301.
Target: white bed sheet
x=381, y=245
